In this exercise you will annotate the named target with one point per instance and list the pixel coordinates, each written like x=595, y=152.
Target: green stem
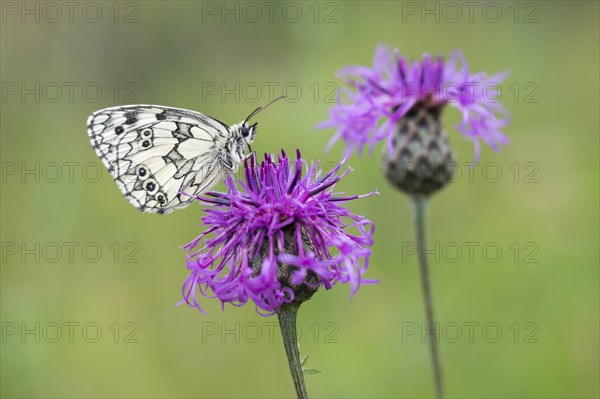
x=419, y=214
x=287, y=322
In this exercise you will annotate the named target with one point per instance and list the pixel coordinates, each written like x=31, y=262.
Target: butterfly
x=156, y=153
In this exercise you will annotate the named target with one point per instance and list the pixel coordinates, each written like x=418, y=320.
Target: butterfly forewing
x=154, y=153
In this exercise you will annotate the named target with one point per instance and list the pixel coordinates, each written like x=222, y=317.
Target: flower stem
x=287, y=322
x=419, y=214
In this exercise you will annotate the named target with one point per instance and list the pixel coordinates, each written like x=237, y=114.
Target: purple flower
x=378, y=97
x=276, y=237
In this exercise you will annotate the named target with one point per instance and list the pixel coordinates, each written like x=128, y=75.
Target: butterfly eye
x=245, y=131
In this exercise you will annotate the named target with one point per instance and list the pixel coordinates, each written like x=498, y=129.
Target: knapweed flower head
x=378, y=97
x=276, y=236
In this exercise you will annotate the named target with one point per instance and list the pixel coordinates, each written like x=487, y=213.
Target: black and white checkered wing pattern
x=155, y=152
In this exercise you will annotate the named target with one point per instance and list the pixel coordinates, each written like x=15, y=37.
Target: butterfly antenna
x=257, y=110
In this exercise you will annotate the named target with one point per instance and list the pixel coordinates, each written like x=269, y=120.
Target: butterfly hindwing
x=154, y=153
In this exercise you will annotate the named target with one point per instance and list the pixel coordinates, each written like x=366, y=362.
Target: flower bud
x=419, y=159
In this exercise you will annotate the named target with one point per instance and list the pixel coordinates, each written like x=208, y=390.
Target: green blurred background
x=540, y=293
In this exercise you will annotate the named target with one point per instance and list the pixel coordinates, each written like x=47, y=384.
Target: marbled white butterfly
x=156, y=153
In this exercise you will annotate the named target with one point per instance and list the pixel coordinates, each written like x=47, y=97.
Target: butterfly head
x=247, y=131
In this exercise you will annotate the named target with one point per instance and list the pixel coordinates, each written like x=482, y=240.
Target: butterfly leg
x=248, y=155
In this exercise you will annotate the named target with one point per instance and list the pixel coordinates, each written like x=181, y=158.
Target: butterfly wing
x=155, y=152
